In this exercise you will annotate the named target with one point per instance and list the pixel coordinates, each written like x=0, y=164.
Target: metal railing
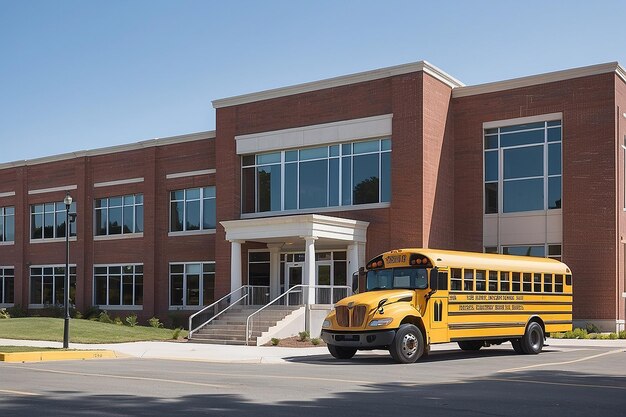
x=244, y=295
x=298, y=295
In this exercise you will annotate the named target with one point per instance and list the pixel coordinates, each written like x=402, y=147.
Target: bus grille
x=358, y=315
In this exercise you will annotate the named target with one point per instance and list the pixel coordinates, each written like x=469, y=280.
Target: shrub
x=17, y=311
x=155, y=322
x=4, y=314
x=275, y=341
x=77, y=314
x=118, y=320
x=176, y=320
x=315, y=341
x=612, y=336
x=622, y=334
x=131, y=320
x=304, y=336
x=592, y=328
x=92, y=313
x=104, y=318
x=52, y=310
x=176, y=333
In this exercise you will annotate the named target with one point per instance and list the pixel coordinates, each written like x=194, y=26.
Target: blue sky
x=80, y=74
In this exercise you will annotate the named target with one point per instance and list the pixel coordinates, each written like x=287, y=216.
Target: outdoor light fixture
x=66, y=293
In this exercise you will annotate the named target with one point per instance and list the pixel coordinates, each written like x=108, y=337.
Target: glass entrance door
x=294, y=277
x=324, y=277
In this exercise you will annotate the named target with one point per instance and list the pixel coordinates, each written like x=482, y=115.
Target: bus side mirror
x=433, y=278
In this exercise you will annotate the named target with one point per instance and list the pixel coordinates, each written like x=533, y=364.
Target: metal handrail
x=289, y=291
x=191, y=331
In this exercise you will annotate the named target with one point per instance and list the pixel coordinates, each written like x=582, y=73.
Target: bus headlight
x=380, y=322
x=325, y=324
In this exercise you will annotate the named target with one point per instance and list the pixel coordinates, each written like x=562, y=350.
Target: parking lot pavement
x=261, y=354
x=573, y=380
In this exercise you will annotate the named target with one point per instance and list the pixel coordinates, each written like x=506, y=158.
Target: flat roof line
x=149, y=143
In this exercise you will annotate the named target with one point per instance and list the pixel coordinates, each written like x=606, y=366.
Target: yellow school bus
x=417, y=297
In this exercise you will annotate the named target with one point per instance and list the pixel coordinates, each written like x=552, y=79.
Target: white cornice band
x=118, y=182
x=549, y=77
x=341, y=81
x=190, y=173
x=53, y=189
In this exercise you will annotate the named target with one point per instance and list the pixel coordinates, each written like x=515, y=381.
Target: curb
x=57, y=356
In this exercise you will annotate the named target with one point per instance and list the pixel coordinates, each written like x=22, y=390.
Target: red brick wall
x=620, y=279
x=589, y=230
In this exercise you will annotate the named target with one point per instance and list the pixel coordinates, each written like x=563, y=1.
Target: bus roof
x=476, y=260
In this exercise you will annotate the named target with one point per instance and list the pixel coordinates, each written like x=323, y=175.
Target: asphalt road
x=494, y=381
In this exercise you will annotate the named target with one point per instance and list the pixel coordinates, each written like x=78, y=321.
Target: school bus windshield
x=405, y=278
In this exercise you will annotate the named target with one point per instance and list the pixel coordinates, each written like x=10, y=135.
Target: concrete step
x=220, y=337
x=222, y=332
x=222, y=342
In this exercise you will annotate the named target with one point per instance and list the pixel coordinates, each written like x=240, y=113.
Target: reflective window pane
x=554, y=192
x=333, y=182
x=491, y=142
x=554, y=159
x=268, y=183
x=491, y=166
x=365, y=179
x=385, y=177
x=313, y=184
x=346, y=181
x=248, y=190
x=208, y=214
x=177, y=211
x=523, y=195
x=291, y=186
x=314, y=153
x=524, y=250
x=536, y=125
x=291, y=156
x=115, y=221
x=523, y=162
x=364, y=147
x=491, y=198
x=554, y=135
x=192, y=215
x=268, y=158
x=522, y=138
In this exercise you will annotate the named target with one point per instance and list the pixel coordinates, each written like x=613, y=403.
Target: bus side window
x=528, y=282
x=537, y=281
x=547, y=282
x=468, y=280
x=504, y=281
x=481, y=279
x=455, y=279
x=442, y=278
x=516, y=281
x=558, y=283
x=493, y=280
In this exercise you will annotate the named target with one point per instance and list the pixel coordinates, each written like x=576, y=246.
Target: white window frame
x=3, y=277
x=55, y=238
x=108, y=235
x=30, y=276
x=184, y=305
x=116, y=306
x=4, y=216
x=202, y=230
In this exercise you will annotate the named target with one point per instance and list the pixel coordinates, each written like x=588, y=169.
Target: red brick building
x=302, y=184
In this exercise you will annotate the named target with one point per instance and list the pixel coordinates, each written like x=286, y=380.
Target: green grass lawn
x=81, y=331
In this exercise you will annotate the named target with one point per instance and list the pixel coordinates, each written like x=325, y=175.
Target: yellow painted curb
x=53, y=355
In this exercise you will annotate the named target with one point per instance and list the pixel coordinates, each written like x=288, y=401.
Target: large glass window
x=7, y=285
x=118, y=285
x=7, y=224
x=192, y=209
x=522, y=167
x=192, y=284
x=327, y=176
x=48, y=221
x=47, y=284
x=119, y=215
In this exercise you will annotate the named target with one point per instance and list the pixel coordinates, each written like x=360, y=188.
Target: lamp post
x=66, y=294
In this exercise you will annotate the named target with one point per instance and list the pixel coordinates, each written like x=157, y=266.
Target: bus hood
x=372, y=298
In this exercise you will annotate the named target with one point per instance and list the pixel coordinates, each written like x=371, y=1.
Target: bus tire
x=341, y=352
x=471, y=344
x=517, y=346
x=532, y=341
x=407, y=345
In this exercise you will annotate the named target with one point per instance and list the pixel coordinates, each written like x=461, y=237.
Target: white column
x=274, y=269
x=353, y=259
x=310, y=277
x=235, y=264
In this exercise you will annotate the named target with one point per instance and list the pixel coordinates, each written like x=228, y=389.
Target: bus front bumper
x=373, y=339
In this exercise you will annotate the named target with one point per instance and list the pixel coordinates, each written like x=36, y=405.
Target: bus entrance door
x=438, y=311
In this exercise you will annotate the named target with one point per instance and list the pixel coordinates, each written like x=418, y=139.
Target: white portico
x=308, y=233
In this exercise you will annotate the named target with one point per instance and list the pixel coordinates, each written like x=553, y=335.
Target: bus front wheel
x=532, y=341
x=407, y=345
x=341, y=352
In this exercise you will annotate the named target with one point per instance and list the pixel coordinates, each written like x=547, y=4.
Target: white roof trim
x=540, y=79
x=340, y=81
x=150, y=143
x=300, y=226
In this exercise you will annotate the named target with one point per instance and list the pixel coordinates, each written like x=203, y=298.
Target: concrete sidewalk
x=259, y=354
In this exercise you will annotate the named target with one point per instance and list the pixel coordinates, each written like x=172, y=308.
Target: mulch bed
x=295, y=342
